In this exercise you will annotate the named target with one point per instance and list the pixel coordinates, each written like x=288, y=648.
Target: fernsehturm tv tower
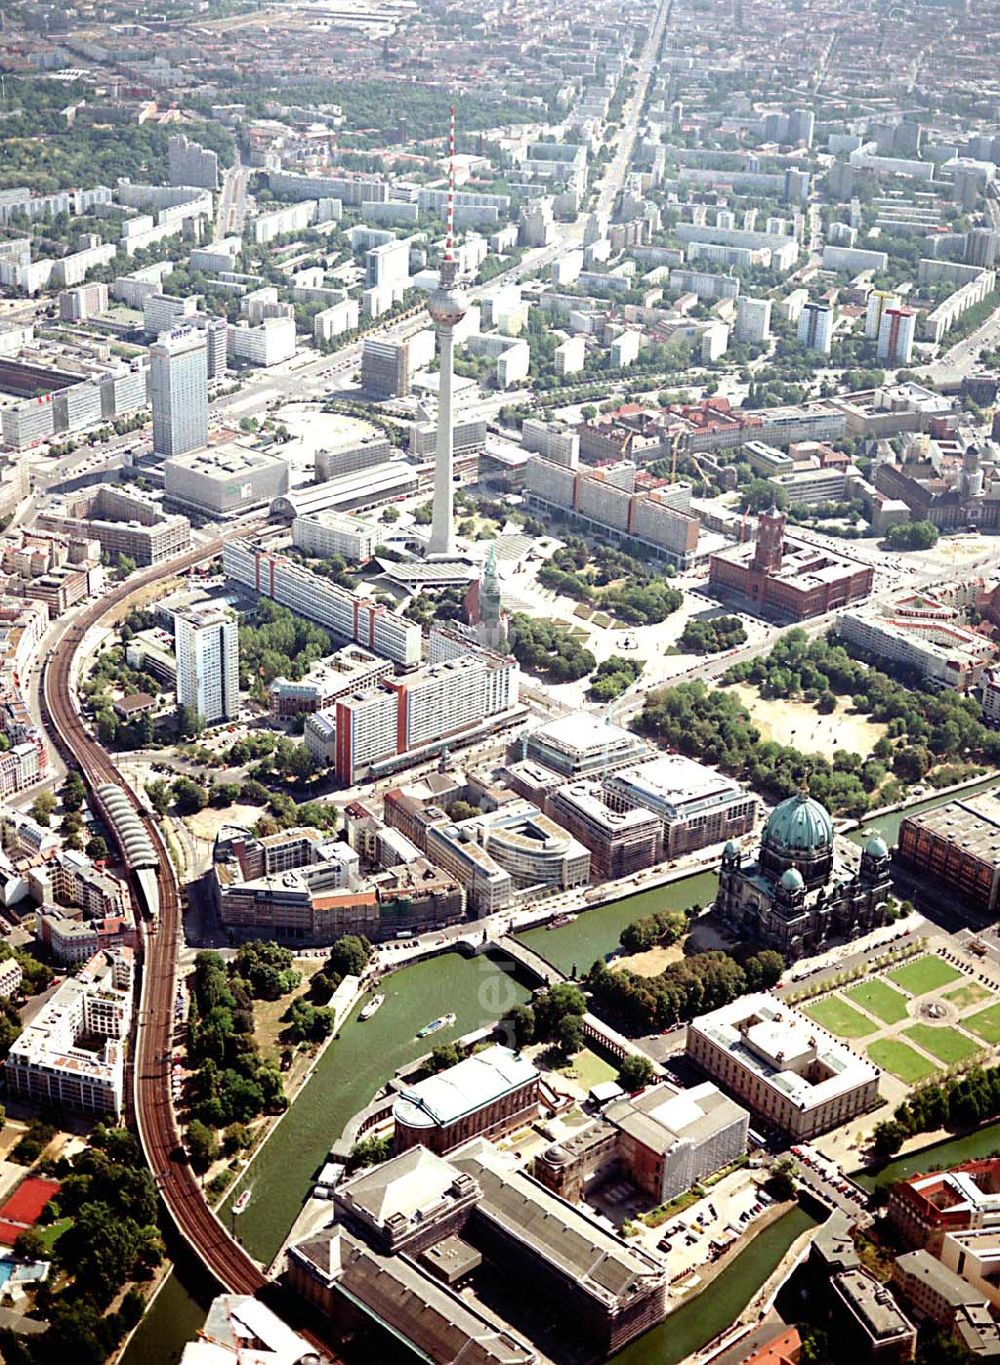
x=447, y=307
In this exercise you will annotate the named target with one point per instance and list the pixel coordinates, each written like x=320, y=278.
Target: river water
x=983, y=1142
x=366, y=1055
x=347, y=1077
x=594, y=933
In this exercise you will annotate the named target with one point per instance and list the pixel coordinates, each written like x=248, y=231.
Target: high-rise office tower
x=816, y=327
x=206, y=640
x=895, y=336
x=447, y=307
x=178, y=370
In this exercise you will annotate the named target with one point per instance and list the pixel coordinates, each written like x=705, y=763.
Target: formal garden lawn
x=879, y=999
x=964, y=996
x=947, y=1044
x=986, y=1023
x=899, y=1058
x=835, y=1014
x=924, y=974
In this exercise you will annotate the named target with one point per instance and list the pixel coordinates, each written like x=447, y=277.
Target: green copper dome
x=791, y=879
x=799, y=825
x=876, y=847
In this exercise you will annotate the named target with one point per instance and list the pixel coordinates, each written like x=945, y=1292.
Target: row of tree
x=693, y=986
x=961, y=1102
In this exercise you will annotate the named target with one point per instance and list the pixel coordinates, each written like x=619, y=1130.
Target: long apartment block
x=348, y=616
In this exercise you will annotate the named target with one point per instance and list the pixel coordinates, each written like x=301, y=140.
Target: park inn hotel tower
x=178, y=373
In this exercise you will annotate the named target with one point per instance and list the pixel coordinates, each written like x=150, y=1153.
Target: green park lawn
x=588, y=1069
x=986, y=1023
x=835, y=1014
x=924, y=974
x=964, y=996
x=879, y=999
x=51, y=1232
x=946, y=1044
x=899, y=1058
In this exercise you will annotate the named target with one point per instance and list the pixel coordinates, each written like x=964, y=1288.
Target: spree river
x=364, y=1056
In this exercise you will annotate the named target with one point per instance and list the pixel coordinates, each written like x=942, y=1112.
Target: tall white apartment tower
x=178, y=374
x=816, y=327
x=206, y=640
x=447, y=307
x=878, y=301
x=895, y=336
x=753, y=319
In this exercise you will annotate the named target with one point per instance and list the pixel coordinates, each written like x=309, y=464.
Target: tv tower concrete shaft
x=442, y=539
x=447, y=307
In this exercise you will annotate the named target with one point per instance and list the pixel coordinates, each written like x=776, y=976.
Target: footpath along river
x=366, y=1055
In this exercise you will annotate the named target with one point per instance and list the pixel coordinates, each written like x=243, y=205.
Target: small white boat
x=243, y=1201
x=435, y=1025
x=373, y=1007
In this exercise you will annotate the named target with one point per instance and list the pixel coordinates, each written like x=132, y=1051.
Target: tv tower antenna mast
x=447, y=307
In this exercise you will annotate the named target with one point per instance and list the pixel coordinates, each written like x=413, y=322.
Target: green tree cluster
x=370, y=1151
x=961, y=1102
x=268, y=968
x=613, y=676
x=308, y=1023
x=713, y=636
x=635, y=1072
x=111, y=1199
x=349, y=956
x=231, y=1083
x=279, y=644
x=912, y=535
x=550, y=649
x=702, y=982
x=653, y=931
x=555, y=1015
x=922, y=727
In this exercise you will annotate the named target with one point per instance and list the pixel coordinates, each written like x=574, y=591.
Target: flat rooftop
x=672, y=783
x=663, y=1116
x=583, y=734
x=872, y=1303
x=973, y=824
x=223, y=461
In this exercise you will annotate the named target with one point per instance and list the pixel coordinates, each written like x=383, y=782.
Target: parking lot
x=695, y=1237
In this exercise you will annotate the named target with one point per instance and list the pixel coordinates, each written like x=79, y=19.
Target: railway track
x=185, y=1202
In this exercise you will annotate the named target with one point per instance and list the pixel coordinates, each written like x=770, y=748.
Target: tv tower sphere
x=447, y=305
